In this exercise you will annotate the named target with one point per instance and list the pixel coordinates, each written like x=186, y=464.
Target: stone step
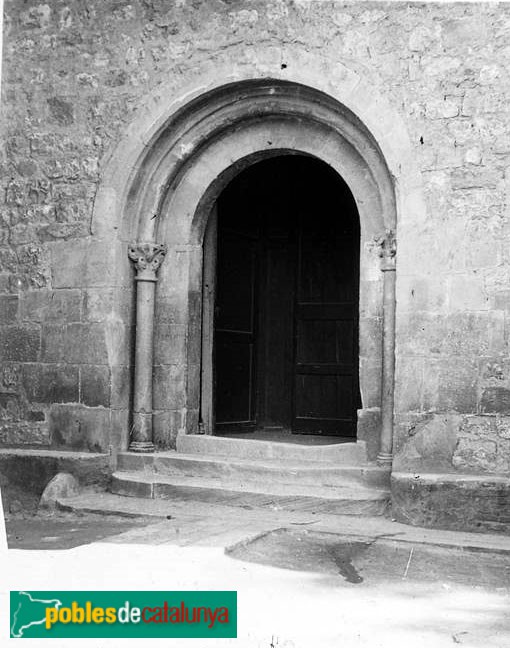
x=340, y=500
x=337, y=453
x=249, y=471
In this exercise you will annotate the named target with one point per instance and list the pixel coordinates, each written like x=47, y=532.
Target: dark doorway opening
x=285, y=352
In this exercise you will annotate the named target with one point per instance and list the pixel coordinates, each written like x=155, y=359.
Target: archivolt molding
x=171, y=124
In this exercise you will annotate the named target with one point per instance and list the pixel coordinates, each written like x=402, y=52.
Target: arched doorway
x=282, y=258
x=192, y=151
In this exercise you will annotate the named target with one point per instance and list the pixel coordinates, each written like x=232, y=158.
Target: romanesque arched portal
x=168, y=196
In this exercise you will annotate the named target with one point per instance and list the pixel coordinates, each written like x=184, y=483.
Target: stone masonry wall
x=76, y=73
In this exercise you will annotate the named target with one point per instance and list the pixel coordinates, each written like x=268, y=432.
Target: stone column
x=147, y=257
x=388, y=266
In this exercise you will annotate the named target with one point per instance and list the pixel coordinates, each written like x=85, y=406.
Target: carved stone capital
x=147, y=257
x=388, y=250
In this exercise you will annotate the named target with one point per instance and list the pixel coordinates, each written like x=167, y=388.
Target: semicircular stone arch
x=172, y=187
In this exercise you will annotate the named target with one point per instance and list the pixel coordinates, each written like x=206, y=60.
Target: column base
x=384, y=459
x=141, y=446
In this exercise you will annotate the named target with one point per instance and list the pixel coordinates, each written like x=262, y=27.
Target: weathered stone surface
x=51, y=305
x=496, y=400
x=430, y=444
x=458, y=385
x=55, y=383
x=457, y=502
x=79, y=428
x=22, y=433
x=369, y=424
x=8, y=309
x=33, y=469
x=169, y=386
x=483, y=444
x=77, y=343
x=20, y=343
x=122, y=378
x=62, y=485
x=95, y=385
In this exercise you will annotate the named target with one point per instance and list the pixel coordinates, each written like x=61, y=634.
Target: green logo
x=123, y=614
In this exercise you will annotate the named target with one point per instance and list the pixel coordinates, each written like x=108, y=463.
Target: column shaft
x=388, y=253
x=147, y=258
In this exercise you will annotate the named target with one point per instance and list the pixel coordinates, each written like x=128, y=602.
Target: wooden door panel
x=325, y=341
x=320, y=396
x=326, y=355
x=275, y=334
x=324, y=404
x=234, y=389
x=235, y=330
x=236, y=283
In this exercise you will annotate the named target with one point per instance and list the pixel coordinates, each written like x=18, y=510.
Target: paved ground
x=302, y=580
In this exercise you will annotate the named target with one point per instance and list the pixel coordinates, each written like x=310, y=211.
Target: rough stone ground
x=302, y=580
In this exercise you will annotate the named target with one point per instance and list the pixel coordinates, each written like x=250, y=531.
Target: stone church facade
x=124, y=124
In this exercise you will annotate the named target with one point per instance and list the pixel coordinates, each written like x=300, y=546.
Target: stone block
x=495, y=400
x=420, y=334
x=369, y=430
x=430, y=384
x=20, y=343
x=122, y=382
x=472, y=334
x=475, y=454
x=429, y=445
x=10, y=378
x=477, y=444
x=12, y=407
x=449, y=501
x=51, y=383
x=170, y=343
x=169, y=387
x=33, y=469
x=95, y=385
x=68, y=262
x=444, y=108
x=75, y=427
x=503, y=427
x=62, y=485
x=8, y=309
x=100, y=304
x=503, y=457
x=409, y=385
x=51, y=305
x=167, y=425
x=119, y=430
x=467, y=293
x=370, y=299
x=193, y=379
x=53, y=343
x=457, y=385
x=370, y=383
x=20, y=433
x=421, y=294
x=60, y=111
x=119, y=340
x=86, y=343
x=101, y=263
x=370, y=338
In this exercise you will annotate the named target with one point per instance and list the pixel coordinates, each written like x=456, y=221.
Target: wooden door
x=326, y=351
x=234, y=333
x=285, y=327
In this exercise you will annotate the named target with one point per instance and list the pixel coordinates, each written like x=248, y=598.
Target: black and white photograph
x=255, y=323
